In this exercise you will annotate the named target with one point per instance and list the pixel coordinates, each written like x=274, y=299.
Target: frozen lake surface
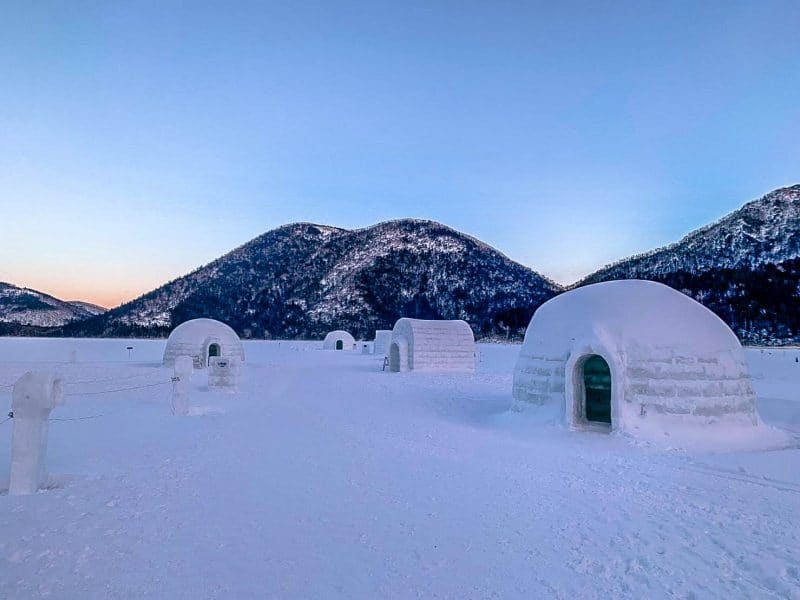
x=326, y=478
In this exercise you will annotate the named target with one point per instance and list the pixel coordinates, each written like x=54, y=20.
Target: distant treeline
x=761, y=305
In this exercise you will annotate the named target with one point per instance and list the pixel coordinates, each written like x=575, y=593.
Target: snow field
x=325, y=478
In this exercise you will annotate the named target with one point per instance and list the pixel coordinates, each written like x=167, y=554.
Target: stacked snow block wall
x=427, y=345
x=669, y=382
x=538, y=378
x=661, y=381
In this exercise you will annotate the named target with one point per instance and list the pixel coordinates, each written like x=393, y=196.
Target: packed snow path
x=327, y=478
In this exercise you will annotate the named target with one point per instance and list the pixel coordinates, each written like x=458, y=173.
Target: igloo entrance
x=339, y=345
x=213, y=350
x=394, y=357
x=596, y=376
x=398, y=356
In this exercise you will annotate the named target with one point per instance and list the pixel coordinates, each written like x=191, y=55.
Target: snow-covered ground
x=326, y=478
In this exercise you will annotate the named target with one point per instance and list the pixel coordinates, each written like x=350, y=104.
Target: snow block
x=223, y=374
x=34, y=396
x=383, y=337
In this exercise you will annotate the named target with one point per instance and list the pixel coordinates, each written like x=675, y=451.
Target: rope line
x=11, y=416
x=90, y=381
x=77, y=418
x=138, y=387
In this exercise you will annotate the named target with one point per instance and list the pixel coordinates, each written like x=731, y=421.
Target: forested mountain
x=764, y=231
x=303, y=280
x=26, y=307
x=745, y=267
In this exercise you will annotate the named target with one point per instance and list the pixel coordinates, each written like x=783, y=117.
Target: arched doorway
x=339, y=345
x=596, y=379
x=394, y=357
x=213, y=350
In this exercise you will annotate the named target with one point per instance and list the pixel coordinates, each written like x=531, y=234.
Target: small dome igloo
x=338, y=340
x=202, y=339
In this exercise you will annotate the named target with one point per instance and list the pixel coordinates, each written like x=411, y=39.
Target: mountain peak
x=765, y=230
x=304, y=279
x=745, y=267
x=24, y=306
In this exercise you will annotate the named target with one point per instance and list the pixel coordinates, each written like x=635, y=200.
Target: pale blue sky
x=140, y=140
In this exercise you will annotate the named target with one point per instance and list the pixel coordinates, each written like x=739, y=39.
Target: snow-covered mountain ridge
x=745, y=268
x=24, y=306
x=303, y=279
x=766, y=230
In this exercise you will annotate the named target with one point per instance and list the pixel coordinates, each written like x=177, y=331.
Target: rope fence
x=8, y=386
x=99, y=393
x=93, y=381
x=35, y=396
x=79, y=418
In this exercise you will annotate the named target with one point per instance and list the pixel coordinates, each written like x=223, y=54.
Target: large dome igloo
x=202, y=339
x=635, y=356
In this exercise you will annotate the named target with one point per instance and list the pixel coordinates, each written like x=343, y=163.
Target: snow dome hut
x=383, y=337
x=634, y=356
x=338, y=340
x=202, y=339
x=422, y=345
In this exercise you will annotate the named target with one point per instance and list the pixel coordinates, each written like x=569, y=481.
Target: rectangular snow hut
x=426, y=345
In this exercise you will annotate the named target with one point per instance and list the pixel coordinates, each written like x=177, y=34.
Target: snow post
x=184, y=365
x=35, y=394
x=223, y=374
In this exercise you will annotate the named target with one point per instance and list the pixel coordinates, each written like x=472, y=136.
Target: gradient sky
x=140, y=140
